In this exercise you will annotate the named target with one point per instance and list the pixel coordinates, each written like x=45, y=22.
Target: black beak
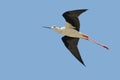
x=46, y=27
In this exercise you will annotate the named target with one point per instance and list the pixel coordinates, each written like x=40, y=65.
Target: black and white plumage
x=71, y=43
x=72, y=34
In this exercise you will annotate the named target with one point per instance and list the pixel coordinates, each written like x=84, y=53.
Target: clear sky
x=30, y=52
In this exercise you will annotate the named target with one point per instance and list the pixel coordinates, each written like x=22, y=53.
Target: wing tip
x=83, y=64
x=81, y=61
x=84, y=9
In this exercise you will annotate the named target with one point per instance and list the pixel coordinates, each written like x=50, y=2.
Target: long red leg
x=88, y=38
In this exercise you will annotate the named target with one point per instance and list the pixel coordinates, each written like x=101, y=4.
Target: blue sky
x=29, y=52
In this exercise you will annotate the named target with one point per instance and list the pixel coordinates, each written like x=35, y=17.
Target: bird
x=71, y=33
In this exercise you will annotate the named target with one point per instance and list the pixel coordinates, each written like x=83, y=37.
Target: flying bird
x=71, y=33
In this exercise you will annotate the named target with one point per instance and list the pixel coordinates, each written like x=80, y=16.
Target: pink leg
x=88, y=38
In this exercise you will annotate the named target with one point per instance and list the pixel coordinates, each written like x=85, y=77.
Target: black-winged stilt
x=72, y=34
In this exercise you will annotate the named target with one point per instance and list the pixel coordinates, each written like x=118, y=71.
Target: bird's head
x=54, y=27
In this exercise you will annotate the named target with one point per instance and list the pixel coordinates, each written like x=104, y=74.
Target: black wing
x=72, y=17
x=71, y=45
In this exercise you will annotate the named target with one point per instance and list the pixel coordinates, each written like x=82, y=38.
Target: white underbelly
x=71, y=33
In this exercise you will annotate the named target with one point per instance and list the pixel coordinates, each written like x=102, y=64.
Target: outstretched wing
x=71, y=45
x=72, y=17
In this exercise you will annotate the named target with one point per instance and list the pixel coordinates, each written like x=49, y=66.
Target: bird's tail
x=93, y=41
